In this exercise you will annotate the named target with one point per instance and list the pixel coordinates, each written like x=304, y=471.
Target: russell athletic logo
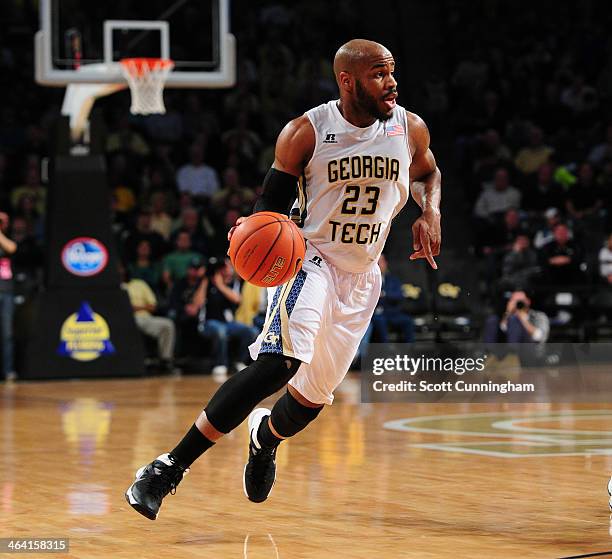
x=330, y=139
x=84, y=256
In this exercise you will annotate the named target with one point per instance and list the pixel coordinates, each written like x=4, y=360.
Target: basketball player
x=356, y=157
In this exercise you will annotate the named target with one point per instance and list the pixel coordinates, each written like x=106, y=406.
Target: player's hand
x=231, y=231
x=522, y=313
x=427, y=237
x=511, y=305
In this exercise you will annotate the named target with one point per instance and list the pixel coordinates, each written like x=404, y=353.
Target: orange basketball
x=267, y=249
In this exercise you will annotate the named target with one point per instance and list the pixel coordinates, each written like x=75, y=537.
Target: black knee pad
x=235, y=399
x=290, y=417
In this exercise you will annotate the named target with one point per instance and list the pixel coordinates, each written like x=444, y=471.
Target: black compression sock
x=193, y=445
x=265, y=436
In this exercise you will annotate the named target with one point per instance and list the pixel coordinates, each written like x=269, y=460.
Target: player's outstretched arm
x=294, y=149
x=426, y=189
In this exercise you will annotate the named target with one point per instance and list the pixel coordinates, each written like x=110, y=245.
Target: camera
x=213, y=265
x=520, y=305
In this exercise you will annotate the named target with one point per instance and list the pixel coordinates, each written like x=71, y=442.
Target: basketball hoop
x=146, y=78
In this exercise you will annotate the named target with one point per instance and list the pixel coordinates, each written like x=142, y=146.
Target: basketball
x=267, y=249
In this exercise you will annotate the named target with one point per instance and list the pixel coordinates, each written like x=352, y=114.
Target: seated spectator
x=185, y=200
x=125, y=199
x=545, y=193
x=532, y=157
x=144, y=268
x=160, y=177
x=561, y=258
x=161, y=222
x=160, y=328
x=498, y=239
x=185, y=303
x=221, y=299
x=176, y=263
x=520, y=264
x=502, y=236
x=143, y=232
x=196, y=177
x=253, y=306
x=519, y=324
x=500, y=198
x=605, y=261
x=232, y=195
x=218, y=240
x=584, y=198
x=491, y=155
x=27, y=210
x=189, y=221
x=546, y=234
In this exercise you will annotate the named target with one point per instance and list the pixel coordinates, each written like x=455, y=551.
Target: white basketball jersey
x=354, y=185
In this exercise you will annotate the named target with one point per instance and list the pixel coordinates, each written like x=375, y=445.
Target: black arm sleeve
x=279, y=192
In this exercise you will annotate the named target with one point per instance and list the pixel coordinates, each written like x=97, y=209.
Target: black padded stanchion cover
x=83, y=324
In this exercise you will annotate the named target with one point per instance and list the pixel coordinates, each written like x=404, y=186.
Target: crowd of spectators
x=527, y=96
x=530, y=102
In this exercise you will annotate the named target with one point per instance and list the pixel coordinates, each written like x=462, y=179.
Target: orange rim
x=141, y=66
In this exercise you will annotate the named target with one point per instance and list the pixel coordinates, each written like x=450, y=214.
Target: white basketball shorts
x=319, y=317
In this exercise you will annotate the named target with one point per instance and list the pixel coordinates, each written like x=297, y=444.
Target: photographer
x=221, y=291
x=7, y=306
x=520, y=323
x=184, y=306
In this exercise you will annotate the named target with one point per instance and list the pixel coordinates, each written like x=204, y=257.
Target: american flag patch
x=396, y=130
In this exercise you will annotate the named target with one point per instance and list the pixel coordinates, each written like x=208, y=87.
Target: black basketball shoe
x=260, y=470
x=153, y=483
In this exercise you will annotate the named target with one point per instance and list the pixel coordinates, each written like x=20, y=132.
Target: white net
x=146, y=78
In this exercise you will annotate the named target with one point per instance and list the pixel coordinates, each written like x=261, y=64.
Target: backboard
x=82, y=42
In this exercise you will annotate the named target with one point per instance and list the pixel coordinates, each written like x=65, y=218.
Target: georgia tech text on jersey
x=363, y=167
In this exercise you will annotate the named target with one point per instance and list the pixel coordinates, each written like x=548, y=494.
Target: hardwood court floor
x=458, y=481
